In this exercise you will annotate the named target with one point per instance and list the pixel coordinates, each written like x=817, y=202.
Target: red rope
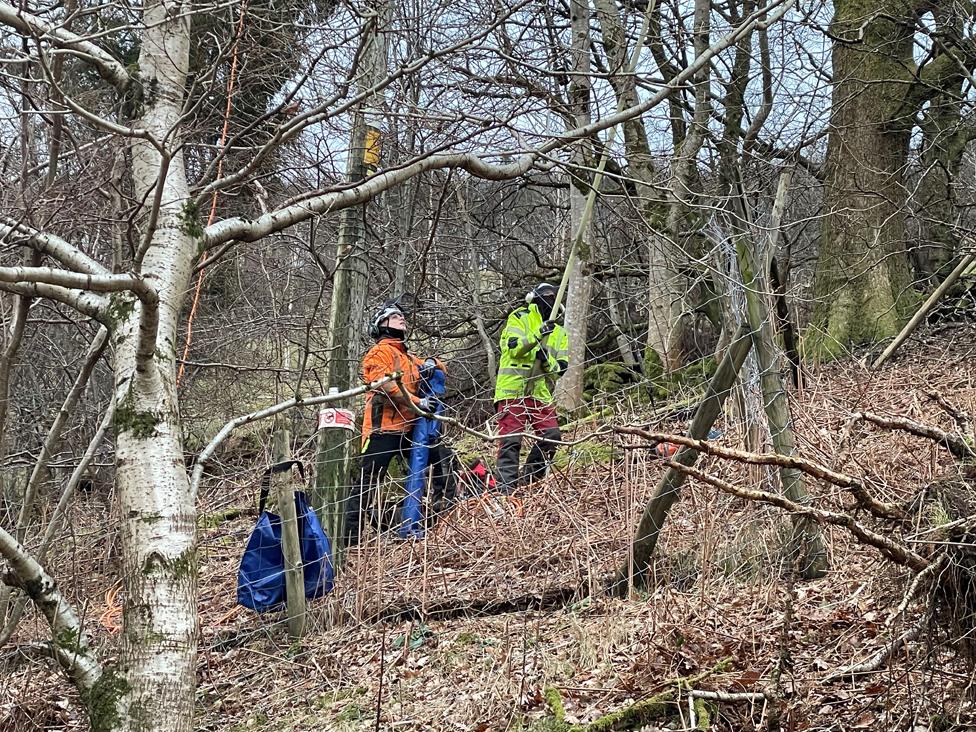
x=231, y=79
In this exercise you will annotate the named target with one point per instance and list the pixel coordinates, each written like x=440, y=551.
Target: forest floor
x=514, y=605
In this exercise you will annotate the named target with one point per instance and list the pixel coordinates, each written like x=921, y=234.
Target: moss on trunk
x=862, y=284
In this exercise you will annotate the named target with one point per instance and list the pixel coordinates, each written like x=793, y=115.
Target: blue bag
x=261, y=577
x=424, y=435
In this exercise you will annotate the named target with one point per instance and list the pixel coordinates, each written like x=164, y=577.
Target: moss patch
x=606, y=378
x=190, y=220
x=181, y=567
x=583, y=455
x=142, y=424
x=121, y=307
x=103, y=701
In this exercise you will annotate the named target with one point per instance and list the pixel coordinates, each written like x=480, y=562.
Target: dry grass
x=719, y=593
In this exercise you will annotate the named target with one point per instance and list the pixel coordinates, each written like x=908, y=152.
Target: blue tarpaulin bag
x=261, y=577
x=425, y=433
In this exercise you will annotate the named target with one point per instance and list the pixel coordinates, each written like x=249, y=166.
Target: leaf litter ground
x=467, y=629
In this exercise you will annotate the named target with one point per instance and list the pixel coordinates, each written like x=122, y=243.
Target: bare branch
x=877, y=660
x=57, y=518
x=77, y=280
x=48, y=277
x=809, y=467
x=65, y=253
x=90, y=304
x=890, y=549
x=204, y=457
x=69, y=642
x=110, y=68
x=955, y=444
x=477, y=165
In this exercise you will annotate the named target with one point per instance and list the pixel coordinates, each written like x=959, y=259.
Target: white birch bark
x=158, y=513
x=69, y=644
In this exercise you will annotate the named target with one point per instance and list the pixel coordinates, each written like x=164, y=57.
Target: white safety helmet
x=385, y=311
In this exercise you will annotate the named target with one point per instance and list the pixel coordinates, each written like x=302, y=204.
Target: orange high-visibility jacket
x=383, y=414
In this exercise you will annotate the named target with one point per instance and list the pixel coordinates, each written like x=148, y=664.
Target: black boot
x=537, y=464
x=507, y=466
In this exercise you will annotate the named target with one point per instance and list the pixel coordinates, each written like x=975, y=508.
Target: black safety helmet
x=377, y=331
x=544, y=297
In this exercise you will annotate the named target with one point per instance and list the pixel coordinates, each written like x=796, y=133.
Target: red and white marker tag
x=342, y=418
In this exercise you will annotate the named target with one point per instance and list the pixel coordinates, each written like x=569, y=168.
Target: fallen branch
x=929, y=303
x=955, y=444
x=822, y=472
x=555, y=598
x=915, y=587
x=879, y=659
x=728, y=696
x=890, y=549
x=639, y=713
x=961, y=417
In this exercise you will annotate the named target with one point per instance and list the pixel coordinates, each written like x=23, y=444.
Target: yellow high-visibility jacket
x=514, y=372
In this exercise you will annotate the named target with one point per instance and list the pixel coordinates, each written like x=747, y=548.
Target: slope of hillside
x=501, y=614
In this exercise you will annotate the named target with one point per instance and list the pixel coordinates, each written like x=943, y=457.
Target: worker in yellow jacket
x=534, y=353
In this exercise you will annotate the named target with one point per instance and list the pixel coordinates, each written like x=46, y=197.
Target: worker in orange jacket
x=389, y=417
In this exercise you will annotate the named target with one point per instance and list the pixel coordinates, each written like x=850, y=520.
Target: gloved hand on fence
x=546, y=328
x=427, y=404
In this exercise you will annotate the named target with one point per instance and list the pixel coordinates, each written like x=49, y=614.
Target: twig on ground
x=915, y=587
x=728, y=696
x=875, y=662
x=955, y=444
x=962, y=418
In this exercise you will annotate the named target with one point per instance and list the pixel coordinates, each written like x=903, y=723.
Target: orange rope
x=109, y=619
x=231, y=78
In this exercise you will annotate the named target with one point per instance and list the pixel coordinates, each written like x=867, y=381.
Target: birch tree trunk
x=158, y=515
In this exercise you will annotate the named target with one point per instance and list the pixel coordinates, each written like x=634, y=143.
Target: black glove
x=547, y=327
x=547, y=359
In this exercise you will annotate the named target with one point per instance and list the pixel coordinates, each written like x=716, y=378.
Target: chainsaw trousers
x=521, y=416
